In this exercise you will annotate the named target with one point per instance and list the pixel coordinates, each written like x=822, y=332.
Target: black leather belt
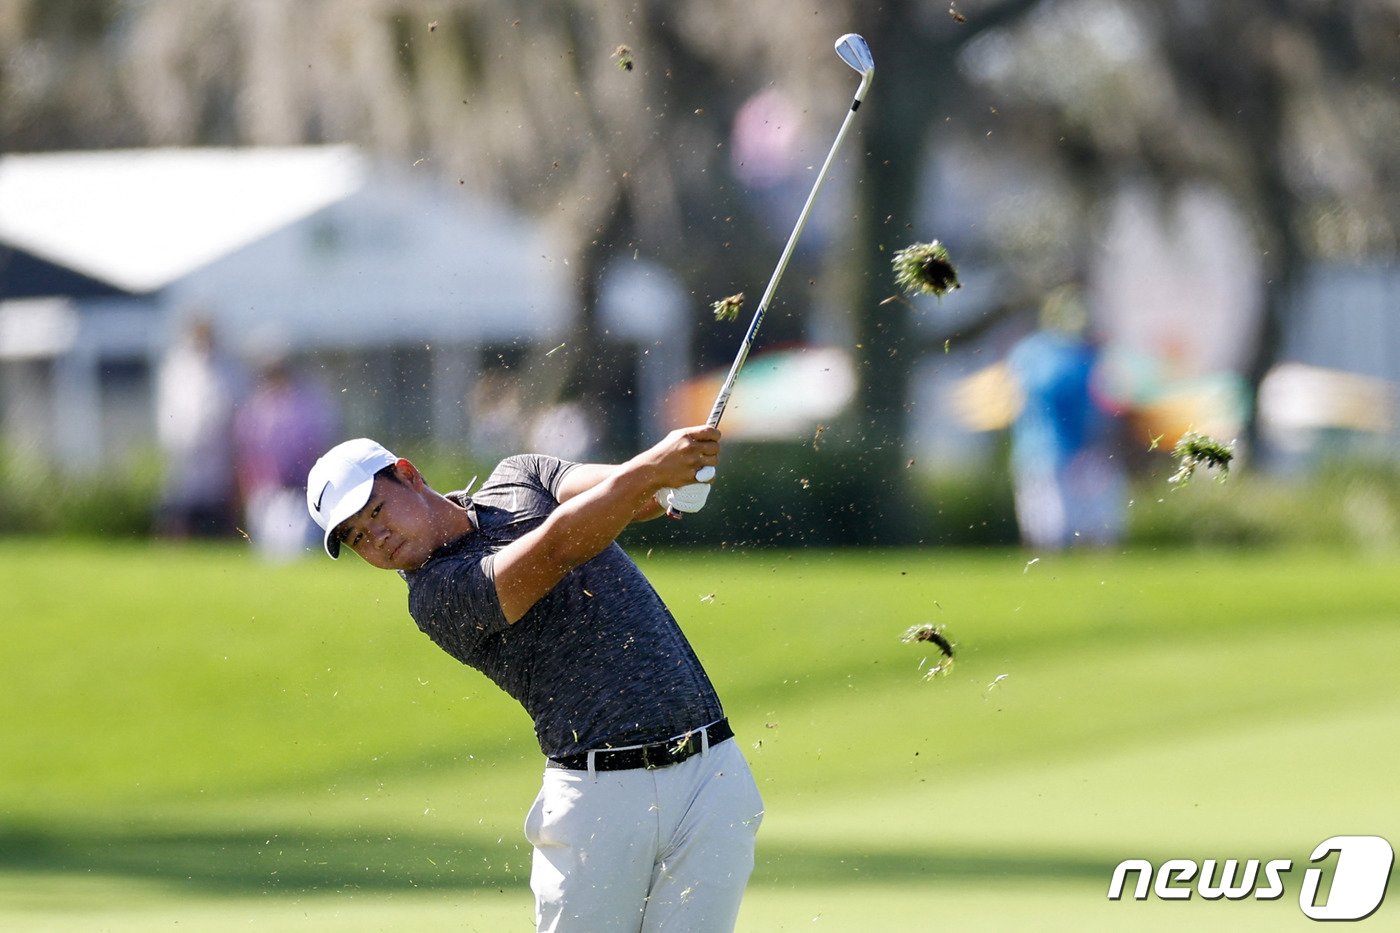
x=655, y=755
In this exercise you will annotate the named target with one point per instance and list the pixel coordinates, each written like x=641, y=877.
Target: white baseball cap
x=339, y=484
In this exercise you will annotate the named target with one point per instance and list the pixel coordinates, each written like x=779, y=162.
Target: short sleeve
x=546, y=470
x=454, y=602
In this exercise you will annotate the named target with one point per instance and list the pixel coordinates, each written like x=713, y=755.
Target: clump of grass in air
x=932, y=633
x=1197, y=450
x=925, y=269
x=727, y=309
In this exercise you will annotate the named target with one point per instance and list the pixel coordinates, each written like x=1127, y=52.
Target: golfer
x=648, y=811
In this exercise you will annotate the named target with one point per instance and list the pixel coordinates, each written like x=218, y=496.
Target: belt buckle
x=686, y=747
x=664, y=754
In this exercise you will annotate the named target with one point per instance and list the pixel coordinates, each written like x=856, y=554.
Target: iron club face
x=855, y=52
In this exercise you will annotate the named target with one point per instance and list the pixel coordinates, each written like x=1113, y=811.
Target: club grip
x=689, y=498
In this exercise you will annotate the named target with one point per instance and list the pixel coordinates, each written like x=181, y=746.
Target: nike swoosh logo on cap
x=317, y=506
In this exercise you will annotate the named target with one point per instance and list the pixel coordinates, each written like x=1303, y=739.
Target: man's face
x=399, y=526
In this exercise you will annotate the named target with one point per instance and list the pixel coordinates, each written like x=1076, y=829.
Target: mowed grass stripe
x=178, y=671
x=878, y=732
x=208, y=730
x=203, y=670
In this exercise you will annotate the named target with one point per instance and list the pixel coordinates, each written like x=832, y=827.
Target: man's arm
x=587, y=475
x=596, y=503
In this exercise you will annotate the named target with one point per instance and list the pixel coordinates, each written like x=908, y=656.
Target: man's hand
x=690, y=496
x=683, y=453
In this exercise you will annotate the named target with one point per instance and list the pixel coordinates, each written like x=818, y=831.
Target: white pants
x=278, y=523
x=1080, y=502
x=645, y=850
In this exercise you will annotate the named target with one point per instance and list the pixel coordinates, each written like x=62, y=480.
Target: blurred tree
x=1287, y=104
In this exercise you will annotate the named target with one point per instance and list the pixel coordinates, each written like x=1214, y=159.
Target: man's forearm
x=585, y=476
x=588, y=522
x=594, y=508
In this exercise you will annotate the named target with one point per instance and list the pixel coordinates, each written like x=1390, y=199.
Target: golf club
x=854, y=52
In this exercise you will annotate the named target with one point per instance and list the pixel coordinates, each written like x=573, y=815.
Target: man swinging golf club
x=648, y=811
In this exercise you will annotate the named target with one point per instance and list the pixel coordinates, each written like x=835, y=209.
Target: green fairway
x=196, y=740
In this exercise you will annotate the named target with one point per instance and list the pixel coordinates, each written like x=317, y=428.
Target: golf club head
x=855, y=52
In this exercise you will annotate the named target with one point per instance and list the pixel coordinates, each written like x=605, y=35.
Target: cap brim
x=350, y=503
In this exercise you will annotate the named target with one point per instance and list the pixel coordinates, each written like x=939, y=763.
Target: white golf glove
x=689, y=498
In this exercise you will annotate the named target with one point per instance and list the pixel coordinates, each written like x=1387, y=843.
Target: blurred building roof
x=140, y=219
x=310, y=247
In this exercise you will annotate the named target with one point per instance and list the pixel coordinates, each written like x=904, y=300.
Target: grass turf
x=198, y=739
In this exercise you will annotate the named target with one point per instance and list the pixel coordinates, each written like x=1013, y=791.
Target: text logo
x=1358, y=877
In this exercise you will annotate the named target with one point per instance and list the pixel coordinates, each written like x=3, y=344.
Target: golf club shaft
x=691, y=498
x=722, y=400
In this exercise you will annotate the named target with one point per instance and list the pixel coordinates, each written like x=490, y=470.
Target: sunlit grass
x=193, y=734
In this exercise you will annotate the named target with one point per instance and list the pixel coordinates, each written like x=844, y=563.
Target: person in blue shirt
x=1068, y=484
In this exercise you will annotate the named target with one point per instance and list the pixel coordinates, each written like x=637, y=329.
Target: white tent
x=318, y=241
x=294, y=249
x=140, y=219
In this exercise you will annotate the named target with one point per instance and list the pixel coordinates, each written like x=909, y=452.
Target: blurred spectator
x=281, y=430
x=197, y=389
x=769, y=155
x=565, y=431
x=1069, y=486
x=767, y=139
x=496, y=415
